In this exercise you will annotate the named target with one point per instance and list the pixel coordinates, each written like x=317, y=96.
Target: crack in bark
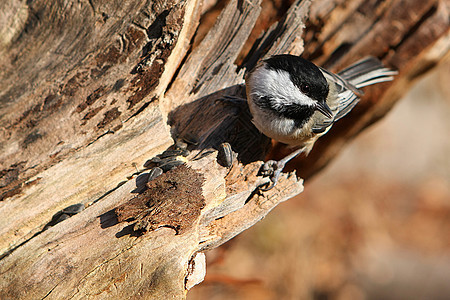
x=91, y=4
x=100, y=136
x=11, y=250
x=49, y=292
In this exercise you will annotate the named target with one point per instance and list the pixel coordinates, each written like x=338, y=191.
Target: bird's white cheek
x=276, y=85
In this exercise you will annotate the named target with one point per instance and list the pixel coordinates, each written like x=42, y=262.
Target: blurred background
x=375, y=224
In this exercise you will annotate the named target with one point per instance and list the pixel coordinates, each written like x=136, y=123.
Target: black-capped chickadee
x=295, y=102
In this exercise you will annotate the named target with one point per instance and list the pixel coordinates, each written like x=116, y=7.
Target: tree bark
x=91, y=91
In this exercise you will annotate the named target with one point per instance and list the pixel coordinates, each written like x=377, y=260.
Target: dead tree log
x=90, y=91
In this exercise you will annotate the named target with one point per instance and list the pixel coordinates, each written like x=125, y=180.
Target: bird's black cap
x=304, y=74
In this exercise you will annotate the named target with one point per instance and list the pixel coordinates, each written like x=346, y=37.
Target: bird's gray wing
x=347, y=94
x=347, y=97
x=366, y=71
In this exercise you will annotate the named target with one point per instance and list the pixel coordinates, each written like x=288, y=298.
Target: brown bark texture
x=91, y=91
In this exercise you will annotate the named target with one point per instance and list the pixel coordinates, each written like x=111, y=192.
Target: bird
x=295, y=102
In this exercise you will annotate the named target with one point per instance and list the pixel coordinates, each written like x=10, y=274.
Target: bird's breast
x=282, y=129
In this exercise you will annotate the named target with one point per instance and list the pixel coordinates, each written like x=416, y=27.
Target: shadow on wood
x=217, y=118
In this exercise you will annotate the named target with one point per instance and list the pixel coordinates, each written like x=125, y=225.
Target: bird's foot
x=272, y=169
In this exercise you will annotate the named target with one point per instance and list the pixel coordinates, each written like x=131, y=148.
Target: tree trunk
x=91, y=91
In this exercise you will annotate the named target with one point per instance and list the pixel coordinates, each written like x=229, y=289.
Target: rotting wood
x=113, y=84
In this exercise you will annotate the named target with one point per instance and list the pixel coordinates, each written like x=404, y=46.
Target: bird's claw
x=272, y=169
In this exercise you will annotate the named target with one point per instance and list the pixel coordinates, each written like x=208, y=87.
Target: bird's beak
x=323, y=108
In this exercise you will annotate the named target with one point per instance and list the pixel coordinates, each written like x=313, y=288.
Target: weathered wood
x=83, y=106
x=96, y=267
x=75, y=124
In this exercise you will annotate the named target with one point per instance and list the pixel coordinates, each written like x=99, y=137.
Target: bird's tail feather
x=367, y=71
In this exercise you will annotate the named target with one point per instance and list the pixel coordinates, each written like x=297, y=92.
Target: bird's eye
x=304, y=88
